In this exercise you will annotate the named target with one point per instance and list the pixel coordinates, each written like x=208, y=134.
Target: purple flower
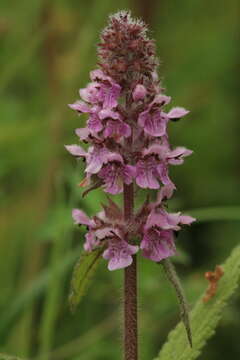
x=115, y=174
x=157, y=244
x=114, y=126
x=96, y=158
x=116, y=129
x=158, y=233
x=153, y=120
x=164, y=153
x=153, y=166
x=119, y=253
x=109, y=90
x=100, y=233
x=147, y=173
x=103, y=90
x=90, y=94
x=167, y=221
x=94, y=123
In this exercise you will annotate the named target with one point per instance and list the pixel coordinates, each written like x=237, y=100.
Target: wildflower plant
x=129, y=148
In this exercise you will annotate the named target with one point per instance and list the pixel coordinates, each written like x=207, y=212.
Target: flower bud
x=139, y=92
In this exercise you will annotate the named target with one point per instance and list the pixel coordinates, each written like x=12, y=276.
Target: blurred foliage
x=47, y=50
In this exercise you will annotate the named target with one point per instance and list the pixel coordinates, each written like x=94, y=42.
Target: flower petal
x=186, y=219
x=177, y=113
x=80, y=106
x=80, y=218
x=76, y=150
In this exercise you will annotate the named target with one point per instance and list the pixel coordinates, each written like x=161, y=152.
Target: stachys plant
x=127, y=130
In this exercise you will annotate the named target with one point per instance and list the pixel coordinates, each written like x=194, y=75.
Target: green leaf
x=82, y=274
x=174, y=280
x=204, y=316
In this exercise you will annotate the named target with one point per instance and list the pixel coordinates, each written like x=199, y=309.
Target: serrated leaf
x=82, y=274
x=204, y=316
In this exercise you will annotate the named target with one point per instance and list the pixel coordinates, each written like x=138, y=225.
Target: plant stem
x=130, y=289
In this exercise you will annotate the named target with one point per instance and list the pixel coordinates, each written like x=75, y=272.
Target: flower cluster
x=127, y=133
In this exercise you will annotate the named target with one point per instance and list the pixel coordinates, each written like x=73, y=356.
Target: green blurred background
x=47, y=49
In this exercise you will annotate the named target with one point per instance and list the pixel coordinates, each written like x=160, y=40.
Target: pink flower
x=94, y=123
x=103, y=90
x=119, y=253
x=114, y=126
x=153, y=166
x=90, y=94
x=159, y=217
x=157, y=245
x=109, y=90
x=97, y=156
x=153, y=120
x=100, y=233
x=115, y=174
x=148, y=173
x=158, y=233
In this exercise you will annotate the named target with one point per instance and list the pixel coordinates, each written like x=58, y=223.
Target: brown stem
x=130, y=289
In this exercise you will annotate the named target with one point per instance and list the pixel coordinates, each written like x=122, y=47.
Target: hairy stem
x=130, y=289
